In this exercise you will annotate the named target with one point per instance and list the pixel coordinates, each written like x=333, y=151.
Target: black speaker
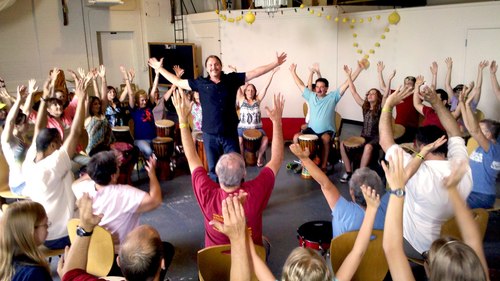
x=182, y=54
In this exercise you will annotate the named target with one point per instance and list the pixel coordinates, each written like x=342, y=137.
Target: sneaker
x=345, y=177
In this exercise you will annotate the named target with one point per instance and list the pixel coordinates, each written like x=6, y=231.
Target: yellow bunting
x=377, y=44
x=360, y=51
x=336, y=19
x=365, y=62
x=355, y=45
x=230, y=19
x=377, y=17
x=352, y=26
x=217, y=11
x=353, y=21
x=319, y=14
x=366, y=56
x=370, y=19
x=387, y=29
x=354, y=35
x=372, y=51
x=344, y=20
x=328, y=17
x=302, y=6
x=249, y=17
x=382, y=36
x=394, y=18
x=361, y=20
x=238, y=18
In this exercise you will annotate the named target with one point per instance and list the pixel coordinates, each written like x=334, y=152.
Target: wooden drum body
x=354, y=150
x=165, y=128
x=163, y=148
x=127, y=161
x=310, y=142
x=251, y=144
x=200, y=148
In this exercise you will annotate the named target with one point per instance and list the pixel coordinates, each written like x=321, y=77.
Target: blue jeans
x=59, y=243
x=145, y=147
x=217, y=145
x=481, y=200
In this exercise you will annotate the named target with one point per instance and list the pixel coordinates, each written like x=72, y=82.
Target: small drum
x=200, y=148
x=163, y=148
x=165, y=128
x=127, y=161
x=311, y=142
x=354, y=150
x=315, y=235
x=251, y=143
x=122, y=134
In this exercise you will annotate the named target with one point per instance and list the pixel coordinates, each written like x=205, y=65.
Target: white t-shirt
x=427, y=205
x=118, y=203
x=15, y=164
x=48, y=182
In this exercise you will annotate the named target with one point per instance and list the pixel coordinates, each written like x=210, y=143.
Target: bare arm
x=277, y=145
x=104, y=88
x=494, y=82
x=296, y=79
x=329, y=189
x=131, y=95
x=353, y=77
x=393, y=229
x=470, y=121
x=385, y=123
x=434, y=72
x=447, y=81
x=28, y=104
x=280, y=59
x=476, y=92
x=154, y=198
x=380, y=70
x=468, y=227
x=417, y=100
x=172, y=78
x=262, y=95
x=387, y=91
x=354, y=93
x=154, y=87
x=178, y=72
x=41, y=117
x=10, y=120
x=447, y=120
x=312, y=70
x=412, y=167
x=183, y=108
x=94, y=82
x=352, y=261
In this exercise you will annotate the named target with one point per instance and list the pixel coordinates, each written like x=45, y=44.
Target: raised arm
x=77, y=125
x=104, y=87
x=28, y=104
x=447, y=81
x=352, y=261
x=494, y=82
x=296, y=79
x=41, y=117
x=6, y=98
x=280, y=59
x=126, y=77
x=329, y=189
x=178, y=72
x=468, y=227
x=412, y=167
x=393, y=229
x=312, y=70
x=449, y=123
x=387, y=91
x=154, y=87
x=380, y=70
x=277, y=145
x=154, y=198
x=353, y=77
x=172, y=78
x=470, y=121
x=10, y=120
x=385, y=123
x=354, y=93
x=262, y=95
x=183, y=108
x=417, y=99
x=434, y=72
x=94, y=82
x=476, y=92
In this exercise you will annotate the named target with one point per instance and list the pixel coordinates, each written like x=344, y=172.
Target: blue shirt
x=485, y=167
x=348, y=216
x=322, y=110
x=218, y=102
x=144, y=123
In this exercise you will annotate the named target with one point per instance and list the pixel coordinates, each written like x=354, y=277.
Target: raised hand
x=434, y=68
x=281, y=58
x=234, y=225
x=297, y=151
x=347, y=70
x=87, y=218
x=420, y=81
x=395, y=172
x=433, y=145
x=155, y=64
x=371, y=197
x=32, y=86
x=178, y=71
x=277, y=111
x=151, y=166
x=81, y=72
x=315, y=67
x=131, y=74
x=54, y=73
x=380, y=66
x=182, y=106
x=493, y=67
x=430, y=95
x=21, y=92
x=102, y=71
x=293, y=67
x=392, y=75
x=449, y=62
x=482, y=65
x=398, y=96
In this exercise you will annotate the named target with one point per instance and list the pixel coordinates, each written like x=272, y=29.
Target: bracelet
x=385, y=109
x=183, y=125
x=418, y=155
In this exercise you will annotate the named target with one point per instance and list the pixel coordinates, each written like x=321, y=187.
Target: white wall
x=423, y=35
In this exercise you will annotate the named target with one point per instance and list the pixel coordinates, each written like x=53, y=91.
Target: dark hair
x=443, y=94
x=458, y=88
x=21, y=118
x=91, y=101
x=322, y=80
x=45, y=137
x=429, y=134
x=116, y=100
x=411, y=78
x=378, y=103
x=493, y=126
x=212, y=57
x=102, y=166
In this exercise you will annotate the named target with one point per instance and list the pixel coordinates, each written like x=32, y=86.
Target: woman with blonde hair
x=24, y=227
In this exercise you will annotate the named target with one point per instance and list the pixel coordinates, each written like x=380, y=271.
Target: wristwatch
x=82, y=233
x=399, y=192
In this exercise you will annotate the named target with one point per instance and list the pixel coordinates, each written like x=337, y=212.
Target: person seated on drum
x=371, y=106
x=310, y=86
x=47, y=167
x=322, y=108
x=249, y=103
x=121, y=205
x=96, y=124
x=427, y=205
x=302, y=264
x=218, y=98
x=485, y=159
x=430, y=116
x=346, y=215
x=231, y=171
x=144, y=121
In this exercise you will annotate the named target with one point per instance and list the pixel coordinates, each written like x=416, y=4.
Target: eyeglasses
x=47, y=225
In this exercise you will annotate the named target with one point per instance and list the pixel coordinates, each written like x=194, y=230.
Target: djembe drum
x=127, y=161
x=200, y=148
x=122, y=134
x=354, y=150
x=251, y=144
x=315, y=235
x=165, y=128
x=164, y=149
x=311, y=142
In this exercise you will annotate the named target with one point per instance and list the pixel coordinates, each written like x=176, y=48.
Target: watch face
x=400, y=192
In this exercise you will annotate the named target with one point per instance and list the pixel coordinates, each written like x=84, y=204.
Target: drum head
x=121, y=128
x=308, y=137
x=164, y=123
x=162, y=140
x=252, y=134
x=316, y=231
x=354, y=141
